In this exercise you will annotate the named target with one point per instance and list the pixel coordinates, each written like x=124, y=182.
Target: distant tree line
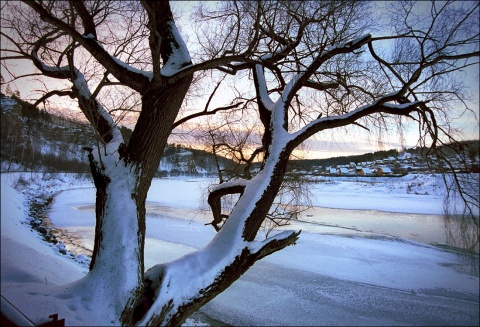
x=344, y=160
x=25, y=130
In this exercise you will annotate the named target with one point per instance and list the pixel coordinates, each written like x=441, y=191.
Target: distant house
x=352, y=164
x=343, y=170
x=384, y=171
x=333, y=171
x=365, y=171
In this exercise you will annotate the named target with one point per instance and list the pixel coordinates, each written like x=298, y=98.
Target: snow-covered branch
x=62, y=72
x=179, y=56
x=281, y=51
x=270, y=245
x=382, y=104
x=93, y=110
x=96, y=113
x=262, y=91
x=189, y=282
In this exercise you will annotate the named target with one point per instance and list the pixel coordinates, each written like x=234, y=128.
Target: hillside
x=35, y=140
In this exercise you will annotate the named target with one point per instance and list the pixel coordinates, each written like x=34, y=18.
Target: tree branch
x=121, y=71
x=215, y=197
x=303, y=78
x=87, y=19
x=52, y=93
x=321, y=86
x=380, y=105
x=205, y=113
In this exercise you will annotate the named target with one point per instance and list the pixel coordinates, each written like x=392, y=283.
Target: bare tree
x=313, y=67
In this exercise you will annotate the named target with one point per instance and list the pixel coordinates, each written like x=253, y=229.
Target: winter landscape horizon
x=169, y=163
x=369, y=267
x=368, y=246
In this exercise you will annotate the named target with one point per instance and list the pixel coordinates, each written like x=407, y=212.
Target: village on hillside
x=397, y=166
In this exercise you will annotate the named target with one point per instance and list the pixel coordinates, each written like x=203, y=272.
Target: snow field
x=32, y=270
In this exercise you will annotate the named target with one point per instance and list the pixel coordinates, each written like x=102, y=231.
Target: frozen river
x=429, y=229
x=164, y=206
x=349, y=267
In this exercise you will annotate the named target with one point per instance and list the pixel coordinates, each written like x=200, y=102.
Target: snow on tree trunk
x=117, y=273
x=122, y=176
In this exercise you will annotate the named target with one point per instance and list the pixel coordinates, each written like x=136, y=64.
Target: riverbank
x=323, y=280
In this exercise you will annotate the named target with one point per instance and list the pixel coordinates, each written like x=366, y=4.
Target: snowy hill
x=35, y=140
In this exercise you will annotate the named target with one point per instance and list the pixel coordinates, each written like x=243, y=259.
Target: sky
x=350, y=141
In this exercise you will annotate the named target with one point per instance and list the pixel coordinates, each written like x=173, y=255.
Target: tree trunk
x=122, y=180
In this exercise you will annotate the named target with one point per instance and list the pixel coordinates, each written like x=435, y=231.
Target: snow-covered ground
x=328, y=278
